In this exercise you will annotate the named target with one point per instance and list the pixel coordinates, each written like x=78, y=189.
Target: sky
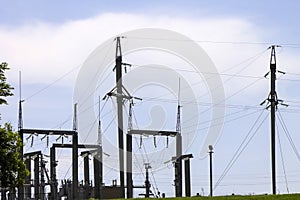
x=49, y=42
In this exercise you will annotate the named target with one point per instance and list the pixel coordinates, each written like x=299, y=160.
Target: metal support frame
x=98, y=170
x=28, y=157
x=177, y=159
x=74, y=151
x=53, y=167
x=187, y=173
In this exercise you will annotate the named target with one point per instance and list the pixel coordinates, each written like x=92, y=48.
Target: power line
x=282, y=161
x=241, y=148
x=52, y=83
x=288, y=135
x=291, y=45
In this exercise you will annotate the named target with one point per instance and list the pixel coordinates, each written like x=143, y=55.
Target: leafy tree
x=5, y=88
x=12, y=168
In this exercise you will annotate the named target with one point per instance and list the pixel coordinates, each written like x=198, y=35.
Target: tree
x=5, y=88
x=12, y=168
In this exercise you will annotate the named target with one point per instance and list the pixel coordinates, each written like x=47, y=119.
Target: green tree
x=5, y=88
x=12, y=168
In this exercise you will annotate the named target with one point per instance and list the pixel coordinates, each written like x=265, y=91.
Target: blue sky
x=47, y=39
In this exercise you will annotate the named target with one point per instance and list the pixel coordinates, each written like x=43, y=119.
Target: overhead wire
x=241, y=148
x=156, y=191
x=282, y=160
x=285, y=129
x=52, y=83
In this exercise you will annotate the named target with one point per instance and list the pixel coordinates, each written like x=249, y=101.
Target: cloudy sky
x=48, y=41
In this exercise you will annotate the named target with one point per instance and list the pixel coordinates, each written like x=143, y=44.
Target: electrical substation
x=42, y=183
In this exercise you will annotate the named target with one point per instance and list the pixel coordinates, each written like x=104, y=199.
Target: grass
x=237, y=197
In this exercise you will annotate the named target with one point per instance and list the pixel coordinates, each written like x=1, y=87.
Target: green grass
x=236, y=197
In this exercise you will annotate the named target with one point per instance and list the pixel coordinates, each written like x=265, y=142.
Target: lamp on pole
x=210, y=151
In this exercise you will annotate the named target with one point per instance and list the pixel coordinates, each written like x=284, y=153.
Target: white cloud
x=45, y=51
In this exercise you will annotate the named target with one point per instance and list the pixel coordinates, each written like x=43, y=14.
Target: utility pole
x=120, y=97
x=273, y=100
x=210, y=148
